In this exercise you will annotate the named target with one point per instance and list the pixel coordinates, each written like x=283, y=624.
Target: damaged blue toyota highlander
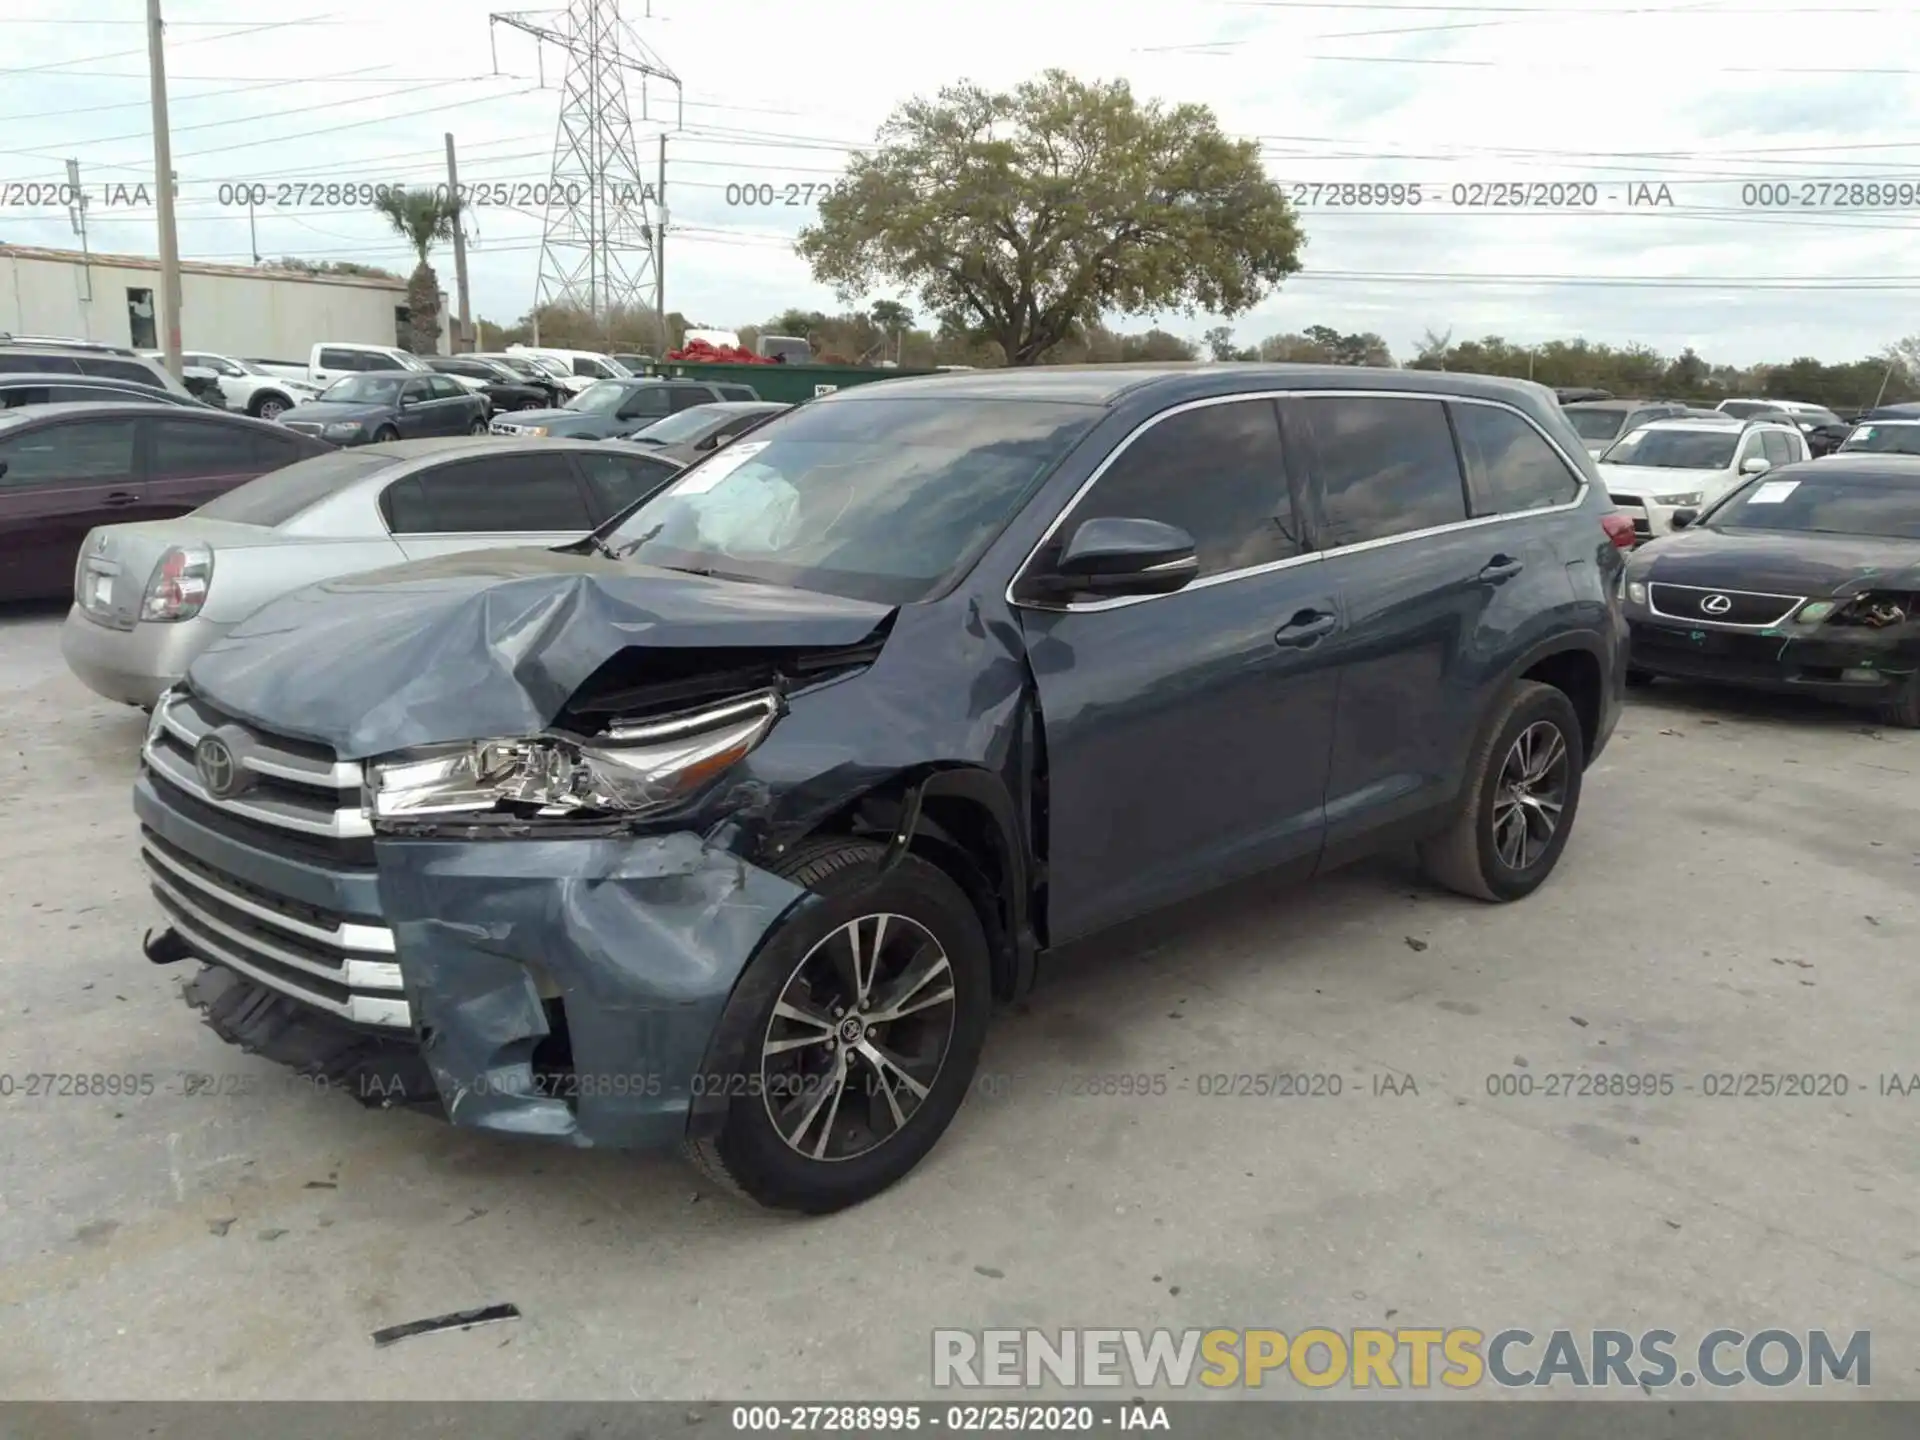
x=726, y=827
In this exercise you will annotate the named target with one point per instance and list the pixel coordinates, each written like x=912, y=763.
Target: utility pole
x=463, y=340
x=163, y=176
x=77, y=212
x=660, y=253
x=253, y=235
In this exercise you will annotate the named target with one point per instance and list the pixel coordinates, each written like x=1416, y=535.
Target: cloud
x=1697, y=98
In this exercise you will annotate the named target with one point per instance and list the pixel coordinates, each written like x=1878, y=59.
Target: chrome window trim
x=1470, y=523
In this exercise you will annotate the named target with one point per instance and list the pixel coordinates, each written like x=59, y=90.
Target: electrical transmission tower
x=601, y=249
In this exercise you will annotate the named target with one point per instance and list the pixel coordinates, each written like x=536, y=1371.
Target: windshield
x=687, y=425
x=248, y=367
x=1596, y=424
x=1883, y=440
x=1808, y=501
x=882, y=500
x=369, y=389
x=279, y=495
x=1674, y=449
x=603, y=397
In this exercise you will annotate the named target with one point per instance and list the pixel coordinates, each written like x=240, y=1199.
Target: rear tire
x=1481, y=853
x=787, y=1141
x=384, y=434
x=478, y=427
x=1903, y=710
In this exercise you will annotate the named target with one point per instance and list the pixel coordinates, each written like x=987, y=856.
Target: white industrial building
x=227, y=309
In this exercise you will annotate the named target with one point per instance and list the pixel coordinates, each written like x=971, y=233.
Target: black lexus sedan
x=1805, y=579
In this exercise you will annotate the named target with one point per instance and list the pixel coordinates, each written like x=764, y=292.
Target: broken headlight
x=1876, y=609
x=630, y=770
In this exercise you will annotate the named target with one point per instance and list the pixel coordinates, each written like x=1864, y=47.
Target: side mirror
x=1755, y=465
x=1123, y=556
x=1684, y=518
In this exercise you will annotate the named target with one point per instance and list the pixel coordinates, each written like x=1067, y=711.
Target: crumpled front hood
x=485, y=643
x=1780, y=562
x=328, y=412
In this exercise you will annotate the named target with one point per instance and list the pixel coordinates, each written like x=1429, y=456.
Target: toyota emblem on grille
x=219, y=766
x=1715, y=605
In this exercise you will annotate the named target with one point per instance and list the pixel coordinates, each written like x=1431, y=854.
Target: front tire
x=478, y=427
x=385, y=434
x=867, y=1012
x=1518, y=805
x=269, y=407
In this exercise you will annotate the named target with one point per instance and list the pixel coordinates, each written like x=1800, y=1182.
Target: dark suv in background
x=724, y=827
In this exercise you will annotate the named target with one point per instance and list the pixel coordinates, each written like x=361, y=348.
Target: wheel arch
x=1575, y=665
x=962, y=819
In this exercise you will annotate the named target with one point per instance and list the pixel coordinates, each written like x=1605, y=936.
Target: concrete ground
x=1742, y=894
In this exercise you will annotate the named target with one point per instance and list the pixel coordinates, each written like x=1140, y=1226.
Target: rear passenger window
x=189, y=447
x=38, y=364
x=1215, y=472
x=524, y=493
x=1386, y=467
x=688, y=398
x=84, y=450
x=620, y=480
x=1510, y=467
x=122, y=370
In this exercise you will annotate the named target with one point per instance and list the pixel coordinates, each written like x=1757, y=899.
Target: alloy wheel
x=1530, y=795
x=858, y=1037
x=270, y=409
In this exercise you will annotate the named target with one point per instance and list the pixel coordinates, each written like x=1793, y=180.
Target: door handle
x=119, y=497
x=1500, y=569
x=1305, y=629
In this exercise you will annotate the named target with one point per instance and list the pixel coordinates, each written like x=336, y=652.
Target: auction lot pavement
x=1742, y=894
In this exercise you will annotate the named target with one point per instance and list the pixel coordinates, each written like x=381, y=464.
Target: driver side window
x=1215, y=472
x=1753, y=447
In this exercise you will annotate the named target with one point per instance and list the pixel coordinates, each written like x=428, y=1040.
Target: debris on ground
x=459, y=1320
x=1413, y=944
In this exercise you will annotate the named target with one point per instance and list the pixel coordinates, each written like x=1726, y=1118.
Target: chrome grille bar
x=347, y=935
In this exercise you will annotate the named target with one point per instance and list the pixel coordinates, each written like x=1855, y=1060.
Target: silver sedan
x=148, y=597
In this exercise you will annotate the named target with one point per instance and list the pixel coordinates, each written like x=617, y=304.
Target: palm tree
x=425, y=217
x=893, y=318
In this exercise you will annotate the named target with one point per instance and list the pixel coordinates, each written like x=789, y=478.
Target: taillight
x=179, y=585
x=1619, y=529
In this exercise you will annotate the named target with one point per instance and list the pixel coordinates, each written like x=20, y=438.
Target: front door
x=1186, y=734
x=58, y=482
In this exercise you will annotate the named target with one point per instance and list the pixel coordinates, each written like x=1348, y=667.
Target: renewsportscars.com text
x=1456, y=1358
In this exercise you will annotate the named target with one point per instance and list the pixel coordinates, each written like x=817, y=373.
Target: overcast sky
x=1710, y=100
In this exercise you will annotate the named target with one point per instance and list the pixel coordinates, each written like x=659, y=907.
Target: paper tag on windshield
x=709, y=474
x=1772, y=492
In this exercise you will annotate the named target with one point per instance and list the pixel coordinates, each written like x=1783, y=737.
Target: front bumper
x=568, y=989
x=134, y=667
x=1857, y=667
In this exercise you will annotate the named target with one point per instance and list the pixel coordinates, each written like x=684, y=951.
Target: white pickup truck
x=331, y=361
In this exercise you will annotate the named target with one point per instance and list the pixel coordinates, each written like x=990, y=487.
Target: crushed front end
x=560, y=980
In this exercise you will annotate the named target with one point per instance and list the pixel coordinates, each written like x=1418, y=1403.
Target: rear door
x=523, y=498
x=1433, y=588
x=189, y=460
x=60, y=480
x=685, y=397
x=456, y=407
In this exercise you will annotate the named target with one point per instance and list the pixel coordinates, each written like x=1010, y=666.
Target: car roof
x=1705, y=424
x=450, y=444
x=737, y=407
x=74, y=352
x=62, y=377
x=96, y=409
x=1107, y=385
x=1889, y=420
x=1618, y=404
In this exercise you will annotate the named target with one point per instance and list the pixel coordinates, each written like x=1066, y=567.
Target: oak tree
x=1022, y=215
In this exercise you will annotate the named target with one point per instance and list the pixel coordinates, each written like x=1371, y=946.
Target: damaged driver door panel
x=1187, y=734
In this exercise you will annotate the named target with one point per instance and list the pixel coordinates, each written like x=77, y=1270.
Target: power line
x=122, y=54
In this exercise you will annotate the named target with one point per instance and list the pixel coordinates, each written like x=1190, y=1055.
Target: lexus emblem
x=1715, y=605
x=219, y=767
